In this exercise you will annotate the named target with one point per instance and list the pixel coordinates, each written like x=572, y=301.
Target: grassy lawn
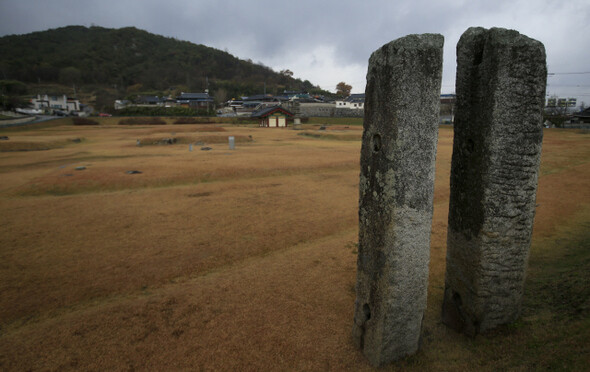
x=245, y=259
x=336, y=121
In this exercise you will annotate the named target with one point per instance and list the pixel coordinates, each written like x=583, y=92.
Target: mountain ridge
x=130, y=61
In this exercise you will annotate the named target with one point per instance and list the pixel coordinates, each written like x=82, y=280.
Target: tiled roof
x=269, y=110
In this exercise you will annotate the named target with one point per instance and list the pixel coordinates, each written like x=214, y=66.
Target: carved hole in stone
x=367, y=311
x=478, y=57
x=476, y=326
x=376, y=142
x=470, y=145
x=457, y=299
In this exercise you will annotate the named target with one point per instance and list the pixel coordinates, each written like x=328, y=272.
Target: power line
x=568, y=86
x=568, y=73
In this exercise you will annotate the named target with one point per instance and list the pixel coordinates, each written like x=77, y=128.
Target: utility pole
x=207, y=91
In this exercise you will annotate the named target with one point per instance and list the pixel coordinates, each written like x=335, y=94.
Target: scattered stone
x=323, y=127
x=168, y=141
x=80, y=168
x=396, y=196
x=76, y=140
x=133, y=172
x=501, y=78
x=138, y=143
x=206, y=148
x=4, y=138
x=199, y=143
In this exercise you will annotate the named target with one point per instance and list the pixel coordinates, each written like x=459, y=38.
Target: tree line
x=129, y=61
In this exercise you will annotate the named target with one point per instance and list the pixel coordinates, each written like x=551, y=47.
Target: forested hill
x=133, y=60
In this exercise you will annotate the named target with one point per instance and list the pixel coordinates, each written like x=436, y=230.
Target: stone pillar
x=297, y=115
x=396, y=192
x=501, y=77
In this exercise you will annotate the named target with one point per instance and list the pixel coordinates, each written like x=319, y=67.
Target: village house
x=121, y=104
x=582, y=116
x=149, y=101
x=273, y=117
x=195, y=100
x=55, y=102
x=579, y=120
x=354, y=101
x=448, y=99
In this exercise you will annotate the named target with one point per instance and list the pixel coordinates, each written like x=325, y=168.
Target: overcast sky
x=326, y=42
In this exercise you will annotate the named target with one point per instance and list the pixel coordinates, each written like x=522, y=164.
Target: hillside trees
x=11, y=92
x=128, y=57
x=70, y=75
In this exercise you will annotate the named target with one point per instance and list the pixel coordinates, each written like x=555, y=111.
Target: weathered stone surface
x=396, y=192
x=501, y=77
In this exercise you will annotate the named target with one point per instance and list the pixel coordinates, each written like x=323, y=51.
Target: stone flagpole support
x=396, y=192
x=501, y=77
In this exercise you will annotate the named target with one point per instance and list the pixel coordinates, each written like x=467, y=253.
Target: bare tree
x=343, y=89
x=220, y=95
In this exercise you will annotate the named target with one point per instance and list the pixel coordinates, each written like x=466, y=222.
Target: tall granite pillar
x=500, y=86
x=396, y=192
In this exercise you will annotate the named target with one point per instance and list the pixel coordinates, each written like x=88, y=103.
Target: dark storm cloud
x=326, y=41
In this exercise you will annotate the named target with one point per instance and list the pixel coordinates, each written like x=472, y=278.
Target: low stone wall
x=348, y=113
x=576, y=126
x=328, y=110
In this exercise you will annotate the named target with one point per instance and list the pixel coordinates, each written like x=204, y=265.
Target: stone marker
x=501, y=77
x=396, y=191
x=232, y=142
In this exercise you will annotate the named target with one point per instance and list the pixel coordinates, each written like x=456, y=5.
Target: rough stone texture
x=501, y=77
x=396, y=192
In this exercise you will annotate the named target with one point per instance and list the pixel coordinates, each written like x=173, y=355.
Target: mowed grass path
x=246, y=259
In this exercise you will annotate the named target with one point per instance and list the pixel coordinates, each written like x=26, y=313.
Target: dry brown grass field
x=246, y=259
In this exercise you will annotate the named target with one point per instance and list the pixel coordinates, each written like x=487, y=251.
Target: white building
x=48, y=102
x=354, y=101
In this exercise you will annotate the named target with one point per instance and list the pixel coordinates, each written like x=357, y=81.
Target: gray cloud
x=328, y=41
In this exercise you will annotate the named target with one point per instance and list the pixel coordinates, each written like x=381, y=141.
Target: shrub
x=142, y=120
x=162, y=111
x=84, y=121
x=193, y=120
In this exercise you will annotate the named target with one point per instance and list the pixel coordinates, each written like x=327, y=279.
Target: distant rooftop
x=193, y=96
